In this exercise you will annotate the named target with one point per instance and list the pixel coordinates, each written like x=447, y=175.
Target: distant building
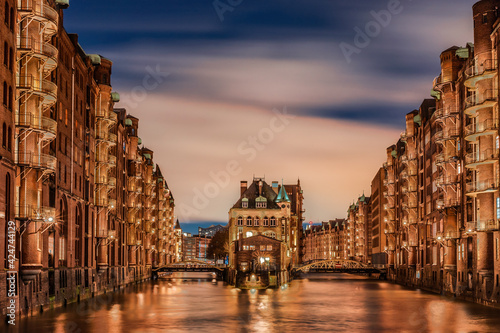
x=188, y=247
x=202, y=243
x=268, y=212
x=325, y=241
x=210, y=231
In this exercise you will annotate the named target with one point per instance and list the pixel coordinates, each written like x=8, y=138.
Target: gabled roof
x=177, y=224
x=252, y=193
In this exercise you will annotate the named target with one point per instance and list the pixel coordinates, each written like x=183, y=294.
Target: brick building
x=268, y=211
x=325, y=241
x=441, y=181
x=92, y=211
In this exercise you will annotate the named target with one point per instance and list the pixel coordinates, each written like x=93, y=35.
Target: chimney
x=243, y=187
x=276, y=187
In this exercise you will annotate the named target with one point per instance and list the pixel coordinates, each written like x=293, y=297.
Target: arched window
x=8, y=215
x=11, y=19
x=11, y=99
x=5, y=94
x=256, y=222
x=249, y=221
x=266, y=221
x=273, y=221
x=240, y=220
x=5, y=54
x=11, y=59
x=9, y=139
x=7, y=11
x=4, y=135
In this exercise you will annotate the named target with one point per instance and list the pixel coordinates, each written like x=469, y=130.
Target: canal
x=322, y=303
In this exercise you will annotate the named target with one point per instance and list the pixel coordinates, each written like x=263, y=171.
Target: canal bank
x=341, y=303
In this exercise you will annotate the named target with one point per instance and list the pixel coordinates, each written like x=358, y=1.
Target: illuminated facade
x=92, y=212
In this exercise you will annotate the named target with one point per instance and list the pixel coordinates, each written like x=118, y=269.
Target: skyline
x=231, y=75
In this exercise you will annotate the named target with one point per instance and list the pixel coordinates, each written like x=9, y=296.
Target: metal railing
x=477, y=69
x=478, y=99
x=29, y=212
x=446, y=112
x=37, y=161
x=444, y=135
x=37, y=8
x=30, y=83
x=44, y=124
x=482, y=156
x=446, y=180
x=482, y=186
x=29, y=44
x=481, y=127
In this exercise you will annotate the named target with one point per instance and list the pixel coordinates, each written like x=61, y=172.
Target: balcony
x=389, y=229
x=42, y=50
x=448, y=203
x=446, y=180
x=43, y=125
x=409, y=189
x=444, y=113
x=478, y=187
x=480, y=71
x=388, y=181
x=442, y=136
x=440, y=236
x=408, y=172
x=111, y=203
x=45, y=89
x=475, y=102
x=109, y=117
x=487, y=225
x=486, y=127
x=409, y=221
x=407, y=158
x=104, y=136
x=443, y=158
x=112, y=159
x=101, y=202
x=43, y=162
x=487, y=156
x=112, y=181
x=40, y=12
x=410, y=204
x=33, y=213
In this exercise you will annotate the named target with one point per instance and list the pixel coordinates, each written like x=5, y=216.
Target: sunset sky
x=225, y=86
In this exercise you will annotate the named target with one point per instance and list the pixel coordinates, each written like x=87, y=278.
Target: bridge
x=190, y=266
x=337, y=266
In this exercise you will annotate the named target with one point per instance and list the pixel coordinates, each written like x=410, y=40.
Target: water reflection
x=324, y=303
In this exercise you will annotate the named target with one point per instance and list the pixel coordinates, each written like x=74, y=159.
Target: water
x=324, y=303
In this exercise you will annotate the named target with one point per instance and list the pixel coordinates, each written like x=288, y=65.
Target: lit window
x=269, y=248
x=249, y=234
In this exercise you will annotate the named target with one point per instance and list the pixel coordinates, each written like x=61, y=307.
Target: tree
x=219, y=245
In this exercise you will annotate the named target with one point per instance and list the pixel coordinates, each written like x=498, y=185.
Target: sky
x=227, y=90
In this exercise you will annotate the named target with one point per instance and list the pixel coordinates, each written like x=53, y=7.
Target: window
x=9, y=139
x=240, y=220
x=244, y=203
x=269, y=248
x=4, y=135
x=5, y=54
x=7, y=11
x=256, y=222
x=5, y=94
x=266, y=222
x=273, y=221
x=262, y=247
x=249, y=234
x=11, y=98
x=11, y=59
x=498, y=208
x=485, y=18
x=249, y=221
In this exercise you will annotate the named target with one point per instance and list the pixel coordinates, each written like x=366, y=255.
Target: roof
x=282, y=196
x=177, y=224
x=252, y=193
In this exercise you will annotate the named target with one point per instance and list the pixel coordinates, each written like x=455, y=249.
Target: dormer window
x=261, y=202
x=244, y=203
